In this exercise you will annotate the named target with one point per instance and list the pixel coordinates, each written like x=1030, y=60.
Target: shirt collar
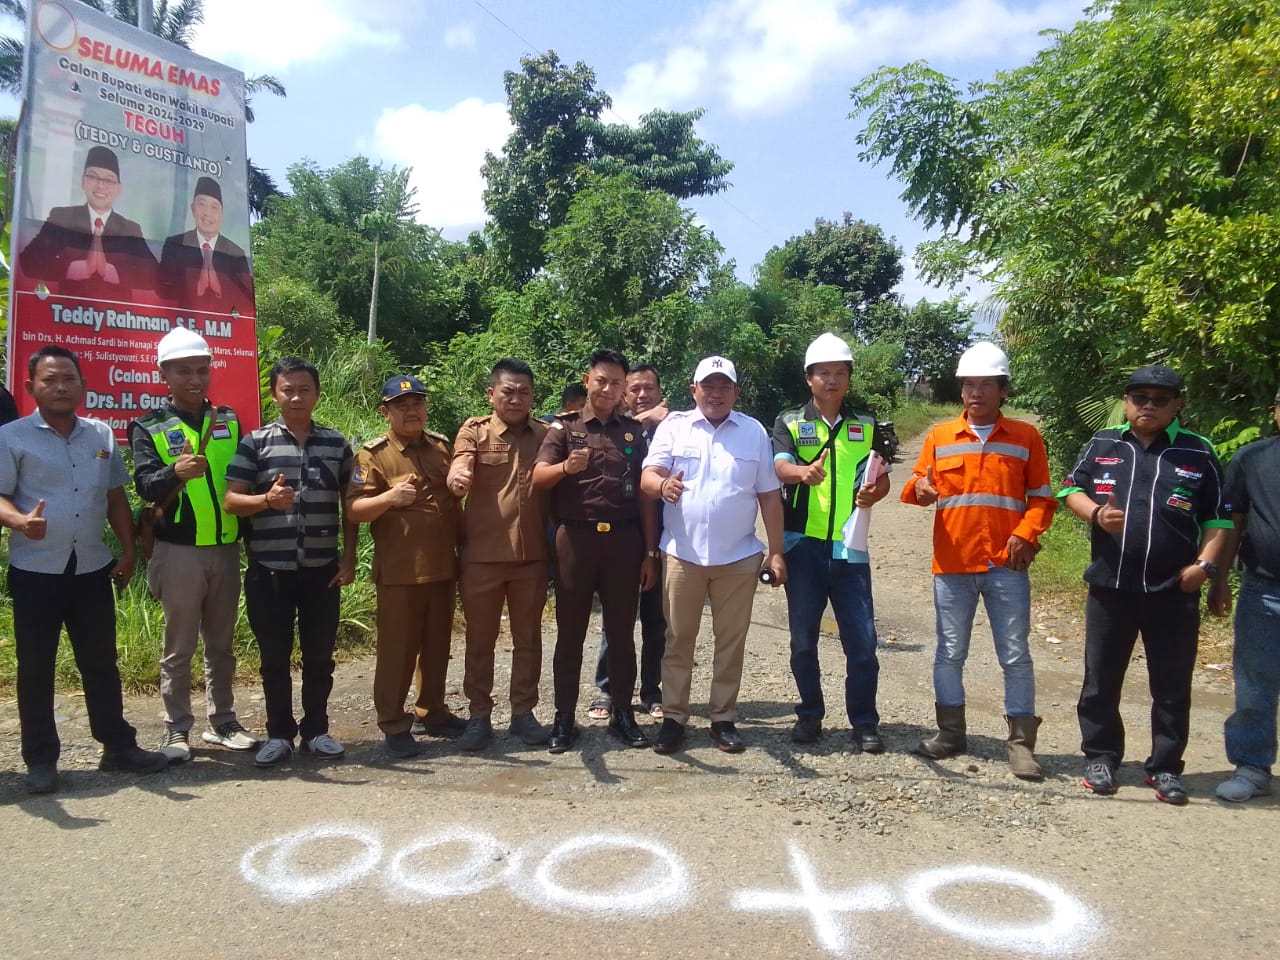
x=499, y=427
x=279, y=422
x=42, y=424
x=94, y=214
x=613, y=417
x=1171, y=431
x=699, y=415
x=401, y=445
x=811, y=411
x=211, y=241
x=960, y=425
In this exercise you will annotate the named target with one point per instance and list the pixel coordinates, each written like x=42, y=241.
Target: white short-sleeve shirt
x=725, y=468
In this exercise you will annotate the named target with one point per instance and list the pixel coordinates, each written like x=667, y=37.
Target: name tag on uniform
x=808, y=429
x=220, y=431
x=103, y=455
x=855, y=432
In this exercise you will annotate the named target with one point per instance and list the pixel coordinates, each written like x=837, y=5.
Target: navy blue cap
x=1154, y=375
x=401, y=385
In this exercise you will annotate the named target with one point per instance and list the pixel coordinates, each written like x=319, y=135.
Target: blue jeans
x=1251, y=730
x=813, y=577
x=1007, y=595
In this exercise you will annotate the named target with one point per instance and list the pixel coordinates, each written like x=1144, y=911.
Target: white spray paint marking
x=823, y=908
x=663, y=886
x=1069, y=928
x=280, y=880
x=488, y=865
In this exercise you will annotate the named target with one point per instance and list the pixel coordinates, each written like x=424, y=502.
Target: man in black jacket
x=201, y=269
x=90, y=250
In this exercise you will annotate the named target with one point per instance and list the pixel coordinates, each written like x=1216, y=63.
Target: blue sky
x=420, y=84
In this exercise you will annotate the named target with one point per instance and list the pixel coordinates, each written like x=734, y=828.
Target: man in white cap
x=712, y=467
x=181, y=453
x=821, y=451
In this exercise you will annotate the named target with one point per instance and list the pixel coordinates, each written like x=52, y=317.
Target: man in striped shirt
x=288, y=478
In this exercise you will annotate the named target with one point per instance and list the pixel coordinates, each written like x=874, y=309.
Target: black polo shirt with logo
x=1170, y=491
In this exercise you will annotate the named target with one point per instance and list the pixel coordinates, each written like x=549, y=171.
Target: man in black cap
x=90, y=250
x=399, y=487
x=1152, y=493
x=201, y=269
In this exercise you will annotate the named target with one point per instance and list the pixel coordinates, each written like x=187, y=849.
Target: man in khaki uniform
x=399, y=489
x=504, y=550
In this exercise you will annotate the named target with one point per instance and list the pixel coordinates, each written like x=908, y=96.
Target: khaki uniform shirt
x=609, y=489
x=418, y=543
x=504, y=519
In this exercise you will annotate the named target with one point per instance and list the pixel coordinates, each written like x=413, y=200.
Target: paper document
x=858, y=525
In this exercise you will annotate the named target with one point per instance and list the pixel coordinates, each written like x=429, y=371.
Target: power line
x=510, y=29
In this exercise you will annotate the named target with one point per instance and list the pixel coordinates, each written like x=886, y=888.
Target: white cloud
x=461, y=36
x=274, y=35
x=446, y=149
x=761, y=55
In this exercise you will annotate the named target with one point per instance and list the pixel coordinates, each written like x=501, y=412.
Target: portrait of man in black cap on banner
x=90, y=250
x=201, y=269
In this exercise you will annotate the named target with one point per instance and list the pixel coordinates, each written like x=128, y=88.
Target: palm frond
x=1100, y=410
x=264, y=83
x=14, y=8
x=11, y=66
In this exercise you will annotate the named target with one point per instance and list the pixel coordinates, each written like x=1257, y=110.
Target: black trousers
x=653, y=644
x=591, y=563
x=274, y=600
x=42, y=604
x=1169, y=622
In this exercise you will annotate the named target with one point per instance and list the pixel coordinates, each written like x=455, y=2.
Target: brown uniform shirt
x=609, y=489
x=504, y=519
x=419, y=543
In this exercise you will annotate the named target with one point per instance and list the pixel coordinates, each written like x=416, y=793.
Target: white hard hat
x=983, y=359
x=827, y=348
x=179, y=344
x=709, y=366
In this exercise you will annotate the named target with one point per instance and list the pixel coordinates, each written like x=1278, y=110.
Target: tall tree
x=663, y=153
x=1122, y=191
x=852, y=255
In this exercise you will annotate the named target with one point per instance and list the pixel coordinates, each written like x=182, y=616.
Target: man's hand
x=1220, y=598
x=1192, y=578
x=280, y=496
x=108, y=271
x=122, y=572
x=673, y=487
x=189, y=464
x=652, y=415
x=648, y=574
x=778, y=567
x=34, y=525
x=79, y=270
x=1111, y=518
x=404, y=493
x=346, y=573
x=577, y=460
x=815, y=473
x=926, y=492
x=870, y=496
x=461, y=475
x=1021, y=553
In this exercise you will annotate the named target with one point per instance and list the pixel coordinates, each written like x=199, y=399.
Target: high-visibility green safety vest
x=201, y=497
x=821, y=511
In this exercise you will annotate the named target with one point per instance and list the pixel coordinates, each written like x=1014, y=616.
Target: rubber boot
x=950, y=739
x=1022, y=746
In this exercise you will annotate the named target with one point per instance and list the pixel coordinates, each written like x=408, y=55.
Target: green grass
x=1064, y=554
x=912, y=417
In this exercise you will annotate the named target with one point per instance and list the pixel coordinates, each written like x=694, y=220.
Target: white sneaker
x=230, y=735
x=324, y=747
x=176, y=745
x=1245, y=784
x=274, y=751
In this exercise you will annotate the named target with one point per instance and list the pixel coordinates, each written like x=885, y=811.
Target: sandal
x=601, y=708
x=653, y=709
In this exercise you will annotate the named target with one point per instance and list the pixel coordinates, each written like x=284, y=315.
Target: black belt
x=601, y=526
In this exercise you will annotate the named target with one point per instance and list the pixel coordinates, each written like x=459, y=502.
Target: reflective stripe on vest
x=982, y=500
x=202, y=495
x=821, y=511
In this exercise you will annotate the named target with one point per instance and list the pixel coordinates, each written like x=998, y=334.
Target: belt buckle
x=603, y=527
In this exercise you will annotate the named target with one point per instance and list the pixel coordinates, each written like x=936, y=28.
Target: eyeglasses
x=1141, y=400
x=102, y=181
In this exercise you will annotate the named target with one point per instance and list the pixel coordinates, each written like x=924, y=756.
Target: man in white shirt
x=712, y=467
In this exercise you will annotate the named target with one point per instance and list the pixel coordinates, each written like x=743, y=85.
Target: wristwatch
x=1209, y=567
x=655, y=554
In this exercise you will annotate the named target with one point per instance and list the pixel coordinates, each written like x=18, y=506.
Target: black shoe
x=133, y=760
x=450, y=725
x=670, y=736
x=725, y=736
x=806, y=730
x=402, y=745
x=1168, y=787
x=42, y=778
x=477, y=735
x=564, y=733
x=867, y=739
x=623, y=727
x=1100, y=777
x=419, y=728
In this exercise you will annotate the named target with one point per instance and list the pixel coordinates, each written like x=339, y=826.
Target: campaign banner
x=131, y=213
